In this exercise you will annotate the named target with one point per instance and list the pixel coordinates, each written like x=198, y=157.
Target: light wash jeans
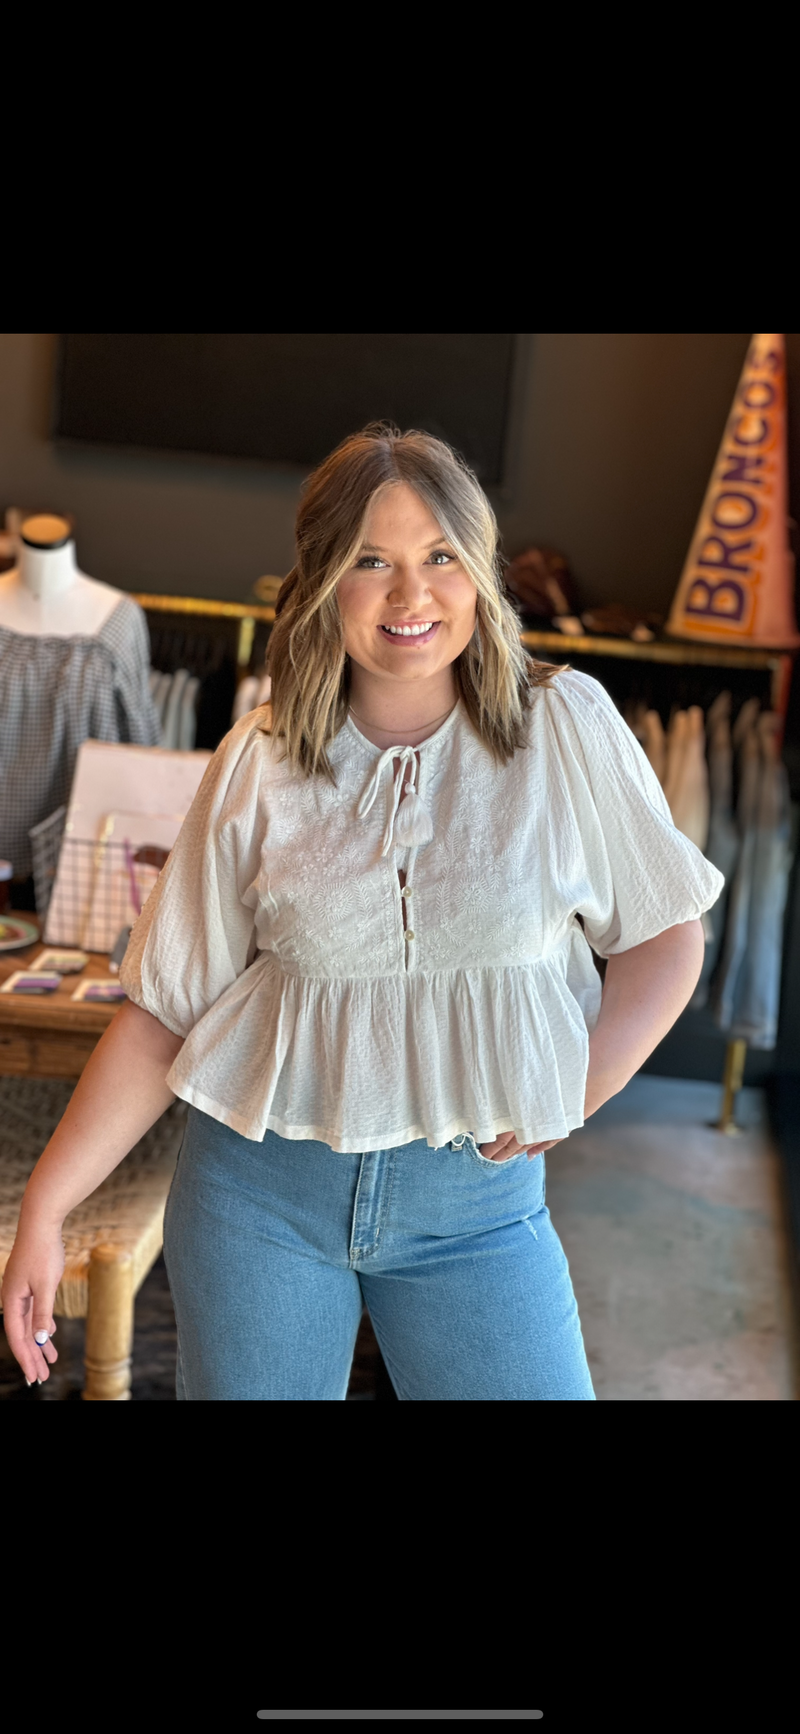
x=745, y=989
x=272, y=1250
x=722, y=850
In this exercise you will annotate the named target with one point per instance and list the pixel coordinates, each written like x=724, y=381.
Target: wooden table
x=49, y=1037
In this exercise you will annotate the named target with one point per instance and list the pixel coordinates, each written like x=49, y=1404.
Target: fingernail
x=27, y=1381
x=41, y=1337
x=38, y=1381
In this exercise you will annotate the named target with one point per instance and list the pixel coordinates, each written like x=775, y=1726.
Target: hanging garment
x=209, y=658
x=274, y=940
x=676, y=743
x=722, y=992
x=746, y=993
x=215, y=698
x=723, y=843
x=689, y=800
x=160, y=691
x=172, y=708
x=246, y=697
x=187, y=730
x=253, y=691
x=745, y=721
x=634, y=713
x=56, y=693
x=654, y=742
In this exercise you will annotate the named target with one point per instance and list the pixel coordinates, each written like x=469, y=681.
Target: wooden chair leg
x=109, y=1326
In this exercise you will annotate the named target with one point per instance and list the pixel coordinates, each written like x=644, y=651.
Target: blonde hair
x=306, y=658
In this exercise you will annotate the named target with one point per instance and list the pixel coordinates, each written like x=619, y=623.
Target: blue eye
x=373, y=562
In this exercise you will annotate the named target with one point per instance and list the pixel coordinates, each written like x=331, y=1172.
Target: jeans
x=745, y=989
x=272, y=1250
x=722, y=850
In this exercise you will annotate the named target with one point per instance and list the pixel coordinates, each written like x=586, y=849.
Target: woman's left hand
x=506, y=1146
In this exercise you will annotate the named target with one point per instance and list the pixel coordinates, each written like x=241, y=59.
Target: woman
x=367, y=967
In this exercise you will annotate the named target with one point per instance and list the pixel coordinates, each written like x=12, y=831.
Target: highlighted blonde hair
x=306, y=658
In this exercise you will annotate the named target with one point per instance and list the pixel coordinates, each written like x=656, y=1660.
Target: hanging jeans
x=722, y=850
x=746, y=989
x=273, y=1249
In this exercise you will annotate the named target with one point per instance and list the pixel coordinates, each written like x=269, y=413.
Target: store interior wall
x=613, y=441
x=614, y=436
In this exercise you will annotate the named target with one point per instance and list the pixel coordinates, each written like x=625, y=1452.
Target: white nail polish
x=28, y=1382
x=41, y=1337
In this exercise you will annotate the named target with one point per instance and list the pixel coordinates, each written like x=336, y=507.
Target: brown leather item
x=619, y=621
x=540, y=579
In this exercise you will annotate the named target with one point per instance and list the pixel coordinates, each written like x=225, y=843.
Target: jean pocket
x=486, y=1161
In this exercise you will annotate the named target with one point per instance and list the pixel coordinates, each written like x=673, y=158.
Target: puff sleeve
x=196, y=933
x=641, y=874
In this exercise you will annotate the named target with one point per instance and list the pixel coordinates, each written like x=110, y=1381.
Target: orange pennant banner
x=737, y=586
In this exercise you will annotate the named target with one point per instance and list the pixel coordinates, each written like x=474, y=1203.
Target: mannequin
x=74, y=665
x=46, y=594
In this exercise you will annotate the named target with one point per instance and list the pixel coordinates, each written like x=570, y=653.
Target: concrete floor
x=678, y=1246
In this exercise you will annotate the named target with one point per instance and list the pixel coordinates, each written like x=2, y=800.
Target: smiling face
x=406, y=575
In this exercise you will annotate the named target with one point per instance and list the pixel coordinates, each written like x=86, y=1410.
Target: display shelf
x=203, y=605
x=587, y=644
x=676, y=651
x=656, y=650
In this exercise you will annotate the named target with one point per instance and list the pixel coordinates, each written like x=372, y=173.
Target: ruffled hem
x=392, y=1141
x=373, y=1064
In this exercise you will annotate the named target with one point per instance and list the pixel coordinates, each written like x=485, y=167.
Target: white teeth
x=410, y=631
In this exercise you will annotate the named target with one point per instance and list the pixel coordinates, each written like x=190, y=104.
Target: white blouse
x=274, y=939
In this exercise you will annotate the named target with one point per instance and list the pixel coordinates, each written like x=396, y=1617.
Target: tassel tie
x=411, y=825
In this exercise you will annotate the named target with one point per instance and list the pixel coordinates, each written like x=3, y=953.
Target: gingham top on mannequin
x=56, y=692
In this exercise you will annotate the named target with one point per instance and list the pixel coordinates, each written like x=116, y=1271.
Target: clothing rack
x=248, y=615
x=778, y=662
x=777, y=666
x=215, y=643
